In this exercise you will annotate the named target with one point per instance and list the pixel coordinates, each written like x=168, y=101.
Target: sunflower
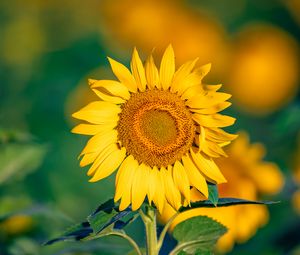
x=250, y=178
x=204, y=34
x=159, y=127
x=260, y=50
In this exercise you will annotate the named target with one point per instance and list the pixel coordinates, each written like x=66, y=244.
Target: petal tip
x=92, y=180
x=91, y=81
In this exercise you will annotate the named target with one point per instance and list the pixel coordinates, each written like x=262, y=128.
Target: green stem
x=120, y=234
x=149, y=219
x=164, y=231
x=131, y=241
x=179, y=248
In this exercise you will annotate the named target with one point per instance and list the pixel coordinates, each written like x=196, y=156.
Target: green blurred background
x=49, y=48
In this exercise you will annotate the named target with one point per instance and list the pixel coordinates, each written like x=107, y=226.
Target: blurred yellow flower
x=160, y=127
x=296, y=201
x=16, y=224
x=23, y=41
x=248, y=177
x=296, y=178
x=265, y=69
x=149, y=23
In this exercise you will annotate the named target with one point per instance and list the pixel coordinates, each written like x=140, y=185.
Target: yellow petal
x=100, y=141
x=123, y=74
x=191, y=80
x=152, y=73
x=207, y=167
x=124, y=175
x=213, y=150
x=212, y=110
x=167, y=68
x=99, y=112
x=195, y=177
x=202, y=71
x=126, y=198
x=138, y=71
x=109, y=165
x=201, y=138
x=191, y=91
x=88, y=158
x=139, y=186
x=181, y=74
x=207, y=100
x=224, y=144
x=160, y=196
x=181, y=180
x=166, y=214
x=216, y=120
x=219, y=135
x=111, y=88
x=107, y=98
x=172, y=193
x=152, y=183
x=88, y=129
x=213, y=88
x=102, y=155
x=127, y=189
x=125, y=201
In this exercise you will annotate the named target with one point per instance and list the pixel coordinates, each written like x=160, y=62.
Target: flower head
x=159, y=127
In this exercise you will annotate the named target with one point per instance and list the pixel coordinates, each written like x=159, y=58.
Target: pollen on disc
x=156, y=128
x=159, y=126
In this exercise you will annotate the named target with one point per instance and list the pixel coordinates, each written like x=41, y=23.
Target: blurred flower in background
x=147, y=24
x=28, y=32
x=296, y=179
x=264, y=70
x=250, y=178
x=15, y=224
x=259, y=60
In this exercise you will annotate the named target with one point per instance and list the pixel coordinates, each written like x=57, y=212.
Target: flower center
x=159, y=126
x=156, y=127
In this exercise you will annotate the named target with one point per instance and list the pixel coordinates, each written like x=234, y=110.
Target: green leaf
x=13, y=135
x=18, y=160
x=225, y=202
x=100, y=220
x=106, y=218
x=11, y=204
x=108, y=214
x=197, y=235
x=24, y=246
x=213, y=194
x=73, y=233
